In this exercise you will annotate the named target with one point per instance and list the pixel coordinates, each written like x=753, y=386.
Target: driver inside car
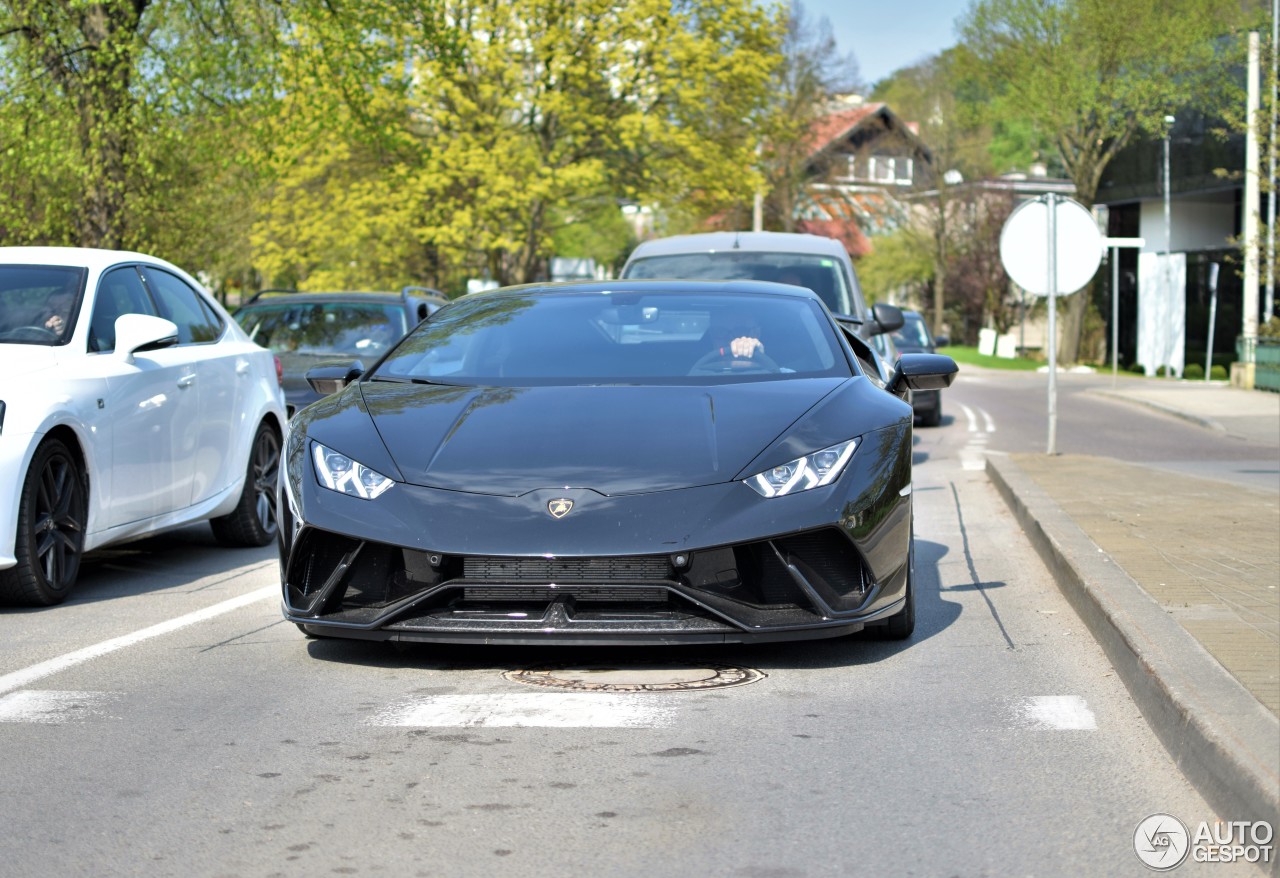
x=56, y=313
x=735, y=336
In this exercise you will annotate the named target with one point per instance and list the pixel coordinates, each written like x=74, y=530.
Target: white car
x=131, y=403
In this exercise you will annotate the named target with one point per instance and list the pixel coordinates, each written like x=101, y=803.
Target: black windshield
x=625, y=337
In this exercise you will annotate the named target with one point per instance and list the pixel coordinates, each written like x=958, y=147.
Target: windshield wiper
x=395, y=379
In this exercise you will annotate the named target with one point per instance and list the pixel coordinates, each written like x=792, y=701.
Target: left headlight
x=811, y=471
x=337, y=472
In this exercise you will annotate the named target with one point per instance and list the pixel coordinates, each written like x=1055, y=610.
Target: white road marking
x=972, y=456
x=529, y=710
x=51, y=707
x=26, y=676
x=1057, y=712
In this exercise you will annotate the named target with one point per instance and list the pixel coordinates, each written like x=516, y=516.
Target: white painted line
x=1058, y=712
x=52, y=707
x=991, y=425
x=529, y=710
x=973, y=422
x=26, y=676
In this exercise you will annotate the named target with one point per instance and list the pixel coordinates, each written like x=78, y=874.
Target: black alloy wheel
x=52, y=514
x=253, y=521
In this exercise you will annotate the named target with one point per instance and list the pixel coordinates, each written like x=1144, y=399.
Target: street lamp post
x=1168, y=247
x=1270, y=300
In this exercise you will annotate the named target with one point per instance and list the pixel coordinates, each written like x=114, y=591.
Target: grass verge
x=970, y=357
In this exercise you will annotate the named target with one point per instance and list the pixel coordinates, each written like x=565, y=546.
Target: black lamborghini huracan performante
x=611, y=462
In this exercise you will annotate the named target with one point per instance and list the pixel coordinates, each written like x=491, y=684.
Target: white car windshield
x=38, y=304
x=822, y=274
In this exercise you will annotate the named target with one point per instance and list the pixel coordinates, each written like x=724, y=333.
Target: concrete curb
x=1160, y=407
x=1221, y=737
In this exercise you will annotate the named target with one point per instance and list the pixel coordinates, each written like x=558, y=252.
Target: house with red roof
x=863, y=160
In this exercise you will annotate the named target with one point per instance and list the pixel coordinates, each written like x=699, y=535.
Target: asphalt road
x=1011, y=408
x=166, y=721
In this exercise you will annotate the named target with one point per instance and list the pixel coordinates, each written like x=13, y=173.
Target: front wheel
x=902, y=624
x=253, y=521
x=52, y=514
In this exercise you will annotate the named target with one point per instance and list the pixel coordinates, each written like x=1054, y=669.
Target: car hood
x=611, y=439
x=19, y=360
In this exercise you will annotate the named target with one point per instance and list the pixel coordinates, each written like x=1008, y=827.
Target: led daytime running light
x=337, y=472
x=811, y=471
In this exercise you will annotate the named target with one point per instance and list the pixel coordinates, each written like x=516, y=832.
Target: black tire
x=933, y=417
x=253, y=521
x=53, y=511
x=902, y=624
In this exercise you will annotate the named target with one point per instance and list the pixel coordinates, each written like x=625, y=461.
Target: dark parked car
x=594, y=463
x=914, y=338
x=304, y=329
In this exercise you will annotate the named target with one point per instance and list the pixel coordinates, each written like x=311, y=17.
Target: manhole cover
x=635, y=678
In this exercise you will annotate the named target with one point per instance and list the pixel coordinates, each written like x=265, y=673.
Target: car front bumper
x=715, y=563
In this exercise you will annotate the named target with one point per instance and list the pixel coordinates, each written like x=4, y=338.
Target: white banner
x=1162, y=312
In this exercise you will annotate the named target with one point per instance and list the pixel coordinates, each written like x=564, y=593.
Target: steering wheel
x=29, y=333
x=723, y=362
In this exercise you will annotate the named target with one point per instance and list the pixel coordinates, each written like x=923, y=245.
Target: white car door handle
x=242, y=367
x=187, y=380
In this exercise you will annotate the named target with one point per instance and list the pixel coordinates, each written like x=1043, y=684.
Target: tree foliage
x=811, y=72
x=1090, y=74
x=543, y=111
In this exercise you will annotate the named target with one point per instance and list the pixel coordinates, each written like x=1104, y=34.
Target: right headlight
x=811, y=471
x=337, y=472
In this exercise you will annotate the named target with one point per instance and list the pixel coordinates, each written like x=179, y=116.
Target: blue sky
x=885, y=36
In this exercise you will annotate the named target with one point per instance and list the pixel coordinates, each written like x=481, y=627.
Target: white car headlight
x=811, y=471
x=337, y=472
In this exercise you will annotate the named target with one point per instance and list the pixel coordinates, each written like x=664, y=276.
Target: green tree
x=540, y=113
x=811, y=72
x=1090, y=74
x=142, y=123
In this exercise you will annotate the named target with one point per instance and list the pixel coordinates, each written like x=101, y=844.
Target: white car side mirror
x=142, y=332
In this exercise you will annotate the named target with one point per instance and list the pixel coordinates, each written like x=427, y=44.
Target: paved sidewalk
x=1178, y=577
x=1242, y=414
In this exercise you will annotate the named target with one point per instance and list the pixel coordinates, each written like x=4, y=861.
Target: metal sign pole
x=1115, y=244
x=1213, y=316
x=1115, y=314
x=1052, y=200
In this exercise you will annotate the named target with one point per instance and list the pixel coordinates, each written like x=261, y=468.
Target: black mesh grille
x=542, y=595
x=562, y=570
x=827, y=556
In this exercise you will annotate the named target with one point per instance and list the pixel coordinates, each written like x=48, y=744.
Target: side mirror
x=923, y=372
x=137, y=333
x=942, y=341
x=884, y=318
x=333, y=377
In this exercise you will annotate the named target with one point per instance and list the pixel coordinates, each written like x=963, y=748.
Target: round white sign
x=1024, y=246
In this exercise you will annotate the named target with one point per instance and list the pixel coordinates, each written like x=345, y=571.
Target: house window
x=888, y=169
x=882, y=169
